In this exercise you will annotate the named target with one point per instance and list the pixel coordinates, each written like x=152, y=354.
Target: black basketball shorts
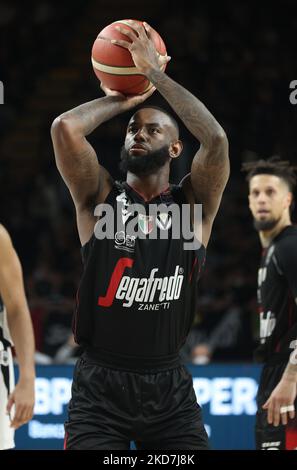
x=110, y=408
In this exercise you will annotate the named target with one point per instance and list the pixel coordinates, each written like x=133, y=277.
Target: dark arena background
x=239, y=58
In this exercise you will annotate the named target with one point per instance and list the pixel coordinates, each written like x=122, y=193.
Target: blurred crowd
x=237, y=57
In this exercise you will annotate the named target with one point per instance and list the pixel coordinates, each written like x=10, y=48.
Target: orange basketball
x=113, y=64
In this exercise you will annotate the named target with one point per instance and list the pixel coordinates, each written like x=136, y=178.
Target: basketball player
x=16, y=403
x=271, y=185
x=137, y=296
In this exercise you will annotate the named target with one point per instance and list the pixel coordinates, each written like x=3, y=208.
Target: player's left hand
x=141, y=47
x=129, y=101
x=22, y=398
x=280, y=404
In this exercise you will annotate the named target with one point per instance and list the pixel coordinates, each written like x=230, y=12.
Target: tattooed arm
x=76, y=159
x=210, y=166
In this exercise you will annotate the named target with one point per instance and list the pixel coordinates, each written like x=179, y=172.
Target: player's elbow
x=220, y=146
x=62, y=126
x=219, y=138
x=16, y=309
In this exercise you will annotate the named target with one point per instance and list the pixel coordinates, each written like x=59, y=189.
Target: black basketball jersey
x=137, y=295
x=277, y=296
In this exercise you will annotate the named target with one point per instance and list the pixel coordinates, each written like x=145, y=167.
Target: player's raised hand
x=141, y=47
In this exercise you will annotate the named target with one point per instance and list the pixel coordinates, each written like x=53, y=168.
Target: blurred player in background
x=271, y=186
x=16, y=403
x=130, y=384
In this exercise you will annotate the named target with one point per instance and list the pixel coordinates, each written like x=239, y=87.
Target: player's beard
x=265, y=225
x=144, y=165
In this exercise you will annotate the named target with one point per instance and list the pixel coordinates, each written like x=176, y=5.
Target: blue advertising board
x=227, y=394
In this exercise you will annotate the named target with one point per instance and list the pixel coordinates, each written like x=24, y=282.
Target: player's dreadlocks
x=272, y=166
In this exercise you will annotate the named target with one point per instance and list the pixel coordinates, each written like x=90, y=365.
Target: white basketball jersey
x=6, y=381
x=4, y=330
